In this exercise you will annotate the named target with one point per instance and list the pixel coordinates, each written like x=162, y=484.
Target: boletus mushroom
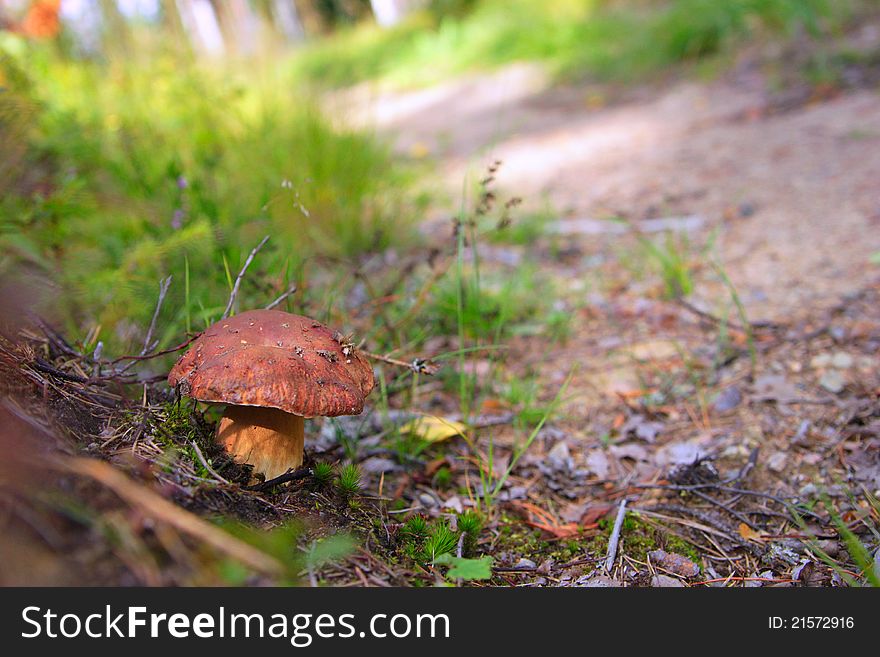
x=272, y=369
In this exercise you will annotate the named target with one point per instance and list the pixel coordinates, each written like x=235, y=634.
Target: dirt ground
x=784, y=185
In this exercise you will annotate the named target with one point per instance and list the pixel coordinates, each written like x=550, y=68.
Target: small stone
x=598, y=582
x=727, y=399
x=842, y=360
x=377, y=465
x=777, y=461
x=820, y=361
x=837, y=333
x=809, y=490
x=665, y=582
x=524, y=564
x=427, y=501
x=832, y=381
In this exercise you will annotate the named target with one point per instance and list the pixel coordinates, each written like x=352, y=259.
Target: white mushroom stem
x=266, y=438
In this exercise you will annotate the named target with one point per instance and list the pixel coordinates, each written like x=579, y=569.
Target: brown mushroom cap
x=275, y=359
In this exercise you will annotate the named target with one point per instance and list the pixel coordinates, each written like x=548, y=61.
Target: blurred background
x=145, y=138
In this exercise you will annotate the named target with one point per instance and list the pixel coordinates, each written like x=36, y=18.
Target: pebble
x=832, y=381
x=666, y=582
x=842, y=360
x=777, y=461
x=808, y=490
x=728, y=399
x=599, y=581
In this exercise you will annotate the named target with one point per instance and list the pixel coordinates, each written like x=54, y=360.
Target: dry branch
x=247, y=263
x=160, y=509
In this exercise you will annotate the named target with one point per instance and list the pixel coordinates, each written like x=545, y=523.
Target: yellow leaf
x=433, y=428
x=750, y=534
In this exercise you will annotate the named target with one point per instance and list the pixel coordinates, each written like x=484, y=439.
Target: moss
x=520, y=541
x=637, y=539
x=680, y=546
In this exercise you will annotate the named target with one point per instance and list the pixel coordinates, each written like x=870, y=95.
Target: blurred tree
x=6, y=22
x=226, y=21
x=114, y=33
x=239, y=25
x=173, y=22
x=287, y=20
x=451, y=7
x=348, y=11
x=313, y=19
x=391, y=12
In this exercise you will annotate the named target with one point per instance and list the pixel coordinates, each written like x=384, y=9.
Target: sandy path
x=811, y=174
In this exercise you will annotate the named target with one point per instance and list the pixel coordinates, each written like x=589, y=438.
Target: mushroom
x=272, y=369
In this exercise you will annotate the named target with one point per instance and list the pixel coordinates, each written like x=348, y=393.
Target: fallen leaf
x=597, y=463
x=775, y=387
x=544, y=520
x=469, y=569
x=642, y=428
x=434, y=429
x=492, y=405
x=560, y=458
x=748, y=533
x=674, y=563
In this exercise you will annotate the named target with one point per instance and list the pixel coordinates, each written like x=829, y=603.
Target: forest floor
x=704, y=411
x=772, y=185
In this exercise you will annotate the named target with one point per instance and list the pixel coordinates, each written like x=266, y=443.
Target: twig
x=204, y=462
x=154, y=505
x=237, y=284
x=291, y=290
x=746, y=579
x=44, y=367
x=416, y=365
x=725, y=489
x=713, y=526
x=615, y=536
x=721, y=505
x=293, y=475
x=691, y=308
x=55, y=338
x=163, y=291
x=156, y=354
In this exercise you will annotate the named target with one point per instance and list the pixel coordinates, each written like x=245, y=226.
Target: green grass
x=673, y=258
x=160, y=167
x=322, y=473
x=624, y=39
x=858, y=549
x=348, y=480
